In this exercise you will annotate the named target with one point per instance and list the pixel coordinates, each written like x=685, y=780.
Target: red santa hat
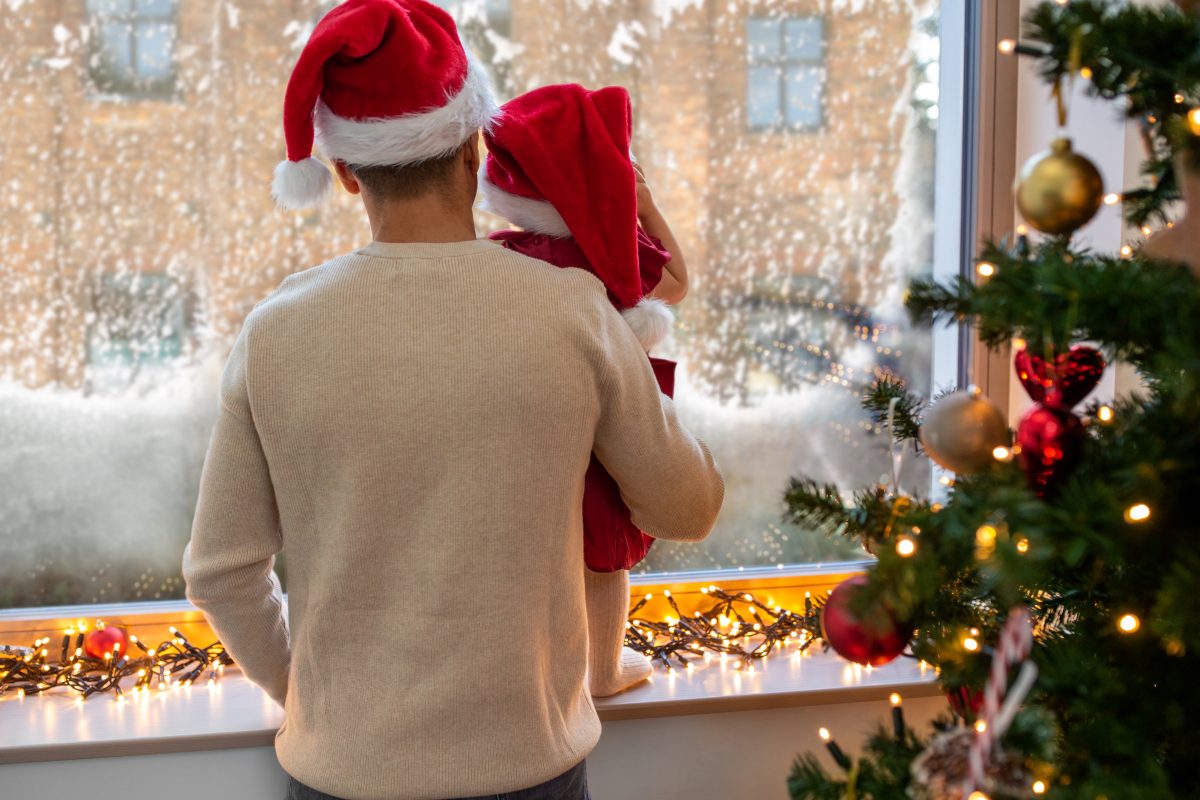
x=558, y=163
x=379, y=82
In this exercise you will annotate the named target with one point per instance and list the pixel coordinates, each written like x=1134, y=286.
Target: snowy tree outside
x=790, y=142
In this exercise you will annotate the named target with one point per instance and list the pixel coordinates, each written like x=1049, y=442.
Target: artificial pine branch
x=905, y=416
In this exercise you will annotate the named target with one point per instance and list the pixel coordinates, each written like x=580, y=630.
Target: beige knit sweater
x=410, y=425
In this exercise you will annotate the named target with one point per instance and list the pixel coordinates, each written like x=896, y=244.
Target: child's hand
x=645, y=197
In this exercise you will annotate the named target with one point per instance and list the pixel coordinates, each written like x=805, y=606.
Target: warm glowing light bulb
x=1129, y=623
x=1111, y=199
x=905, y=546
x=1104, y=413
x=985, y=534
x=970, y=643
x=1006, y=46
x=1193, y=119
x=1001, y=453
x=1039, y=787
x=1086, y=73
x=1126, y=250
x=1179, y=98
x=986, y=269
x=824, y=734
x=980, y=726
x=1022, y=545
x=666, y=592
x=1139, y=512
x=978, y=795
x=894, y=699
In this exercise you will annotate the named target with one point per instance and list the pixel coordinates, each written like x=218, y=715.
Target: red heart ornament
x=1051, y=440
x=1065, y=382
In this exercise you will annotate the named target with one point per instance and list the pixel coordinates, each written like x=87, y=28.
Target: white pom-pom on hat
x=651, y=321
x=301, y=184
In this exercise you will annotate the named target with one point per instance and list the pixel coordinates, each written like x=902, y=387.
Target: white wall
x=667, y=758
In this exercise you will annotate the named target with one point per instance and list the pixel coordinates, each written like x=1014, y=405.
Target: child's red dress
x=611, y=541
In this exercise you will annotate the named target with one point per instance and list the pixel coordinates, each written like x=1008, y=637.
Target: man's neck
x=421, y=220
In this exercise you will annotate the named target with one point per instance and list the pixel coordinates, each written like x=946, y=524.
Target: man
x=411, y=424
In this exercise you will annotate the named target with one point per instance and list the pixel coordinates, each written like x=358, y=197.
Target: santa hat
x=379, y=82
x=558, y=163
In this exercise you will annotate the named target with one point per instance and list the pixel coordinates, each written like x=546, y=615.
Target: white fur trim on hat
x=414, y=137
x=537, y=216
x=651, y=321
x=301, y=184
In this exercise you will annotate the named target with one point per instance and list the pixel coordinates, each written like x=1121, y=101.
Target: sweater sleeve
x=666, y=475
x=228, y=565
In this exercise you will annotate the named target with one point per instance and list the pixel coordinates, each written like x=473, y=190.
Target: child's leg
x=612, y=667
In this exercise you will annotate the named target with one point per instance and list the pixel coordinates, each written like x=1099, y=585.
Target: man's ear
x=470, y=154
x=346, y=177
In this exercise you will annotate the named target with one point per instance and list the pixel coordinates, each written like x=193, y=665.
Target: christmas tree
x=1056, y=585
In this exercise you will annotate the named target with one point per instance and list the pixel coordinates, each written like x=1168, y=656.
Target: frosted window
x=793, y=154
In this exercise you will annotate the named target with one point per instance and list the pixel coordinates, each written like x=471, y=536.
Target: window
x=133, y=47
x=143, y=235
x=785, y=73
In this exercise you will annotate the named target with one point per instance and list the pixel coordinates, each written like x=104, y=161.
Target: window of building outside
x=785, y=73
x=142, y=234
x=132, y=46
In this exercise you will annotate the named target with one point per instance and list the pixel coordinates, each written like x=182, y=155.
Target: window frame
x=976, y=144
x=782, y=63
x=131, y=88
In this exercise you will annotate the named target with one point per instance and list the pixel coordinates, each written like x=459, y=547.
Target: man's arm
x=666, y=476
x=228, y=565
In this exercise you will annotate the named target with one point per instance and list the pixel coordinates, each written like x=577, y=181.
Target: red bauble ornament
x=874, y=639
x=102, y=640
x=1065, y=382
x=1051, y=440
x=966, y=702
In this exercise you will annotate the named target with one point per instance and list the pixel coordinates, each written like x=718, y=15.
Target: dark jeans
x=571, y=785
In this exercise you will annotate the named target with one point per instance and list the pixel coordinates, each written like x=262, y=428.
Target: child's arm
x=674, y=284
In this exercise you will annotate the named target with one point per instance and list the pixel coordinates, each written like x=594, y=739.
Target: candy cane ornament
x=1014, y=647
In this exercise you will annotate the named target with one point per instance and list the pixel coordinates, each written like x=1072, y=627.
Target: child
x=559, y=167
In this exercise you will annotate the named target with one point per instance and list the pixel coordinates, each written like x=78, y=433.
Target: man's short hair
x=406, y=181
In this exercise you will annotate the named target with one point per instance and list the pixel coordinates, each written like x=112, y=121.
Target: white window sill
x=234, y=713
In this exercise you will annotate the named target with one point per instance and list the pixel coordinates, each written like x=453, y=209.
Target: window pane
x=762, y=97
x=804, y=38
x=804, y=95
x=122, y=290
x=156, y=51
x=156, y=8
x=108, y=7
x=762, y=39
x=115, y=50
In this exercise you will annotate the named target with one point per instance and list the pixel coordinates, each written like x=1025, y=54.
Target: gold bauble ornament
x=962, y=430
x=1058, y=190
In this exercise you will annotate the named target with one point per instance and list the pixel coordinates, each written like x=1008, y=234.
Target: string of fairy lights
x=735, y=627
x=87, y=671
